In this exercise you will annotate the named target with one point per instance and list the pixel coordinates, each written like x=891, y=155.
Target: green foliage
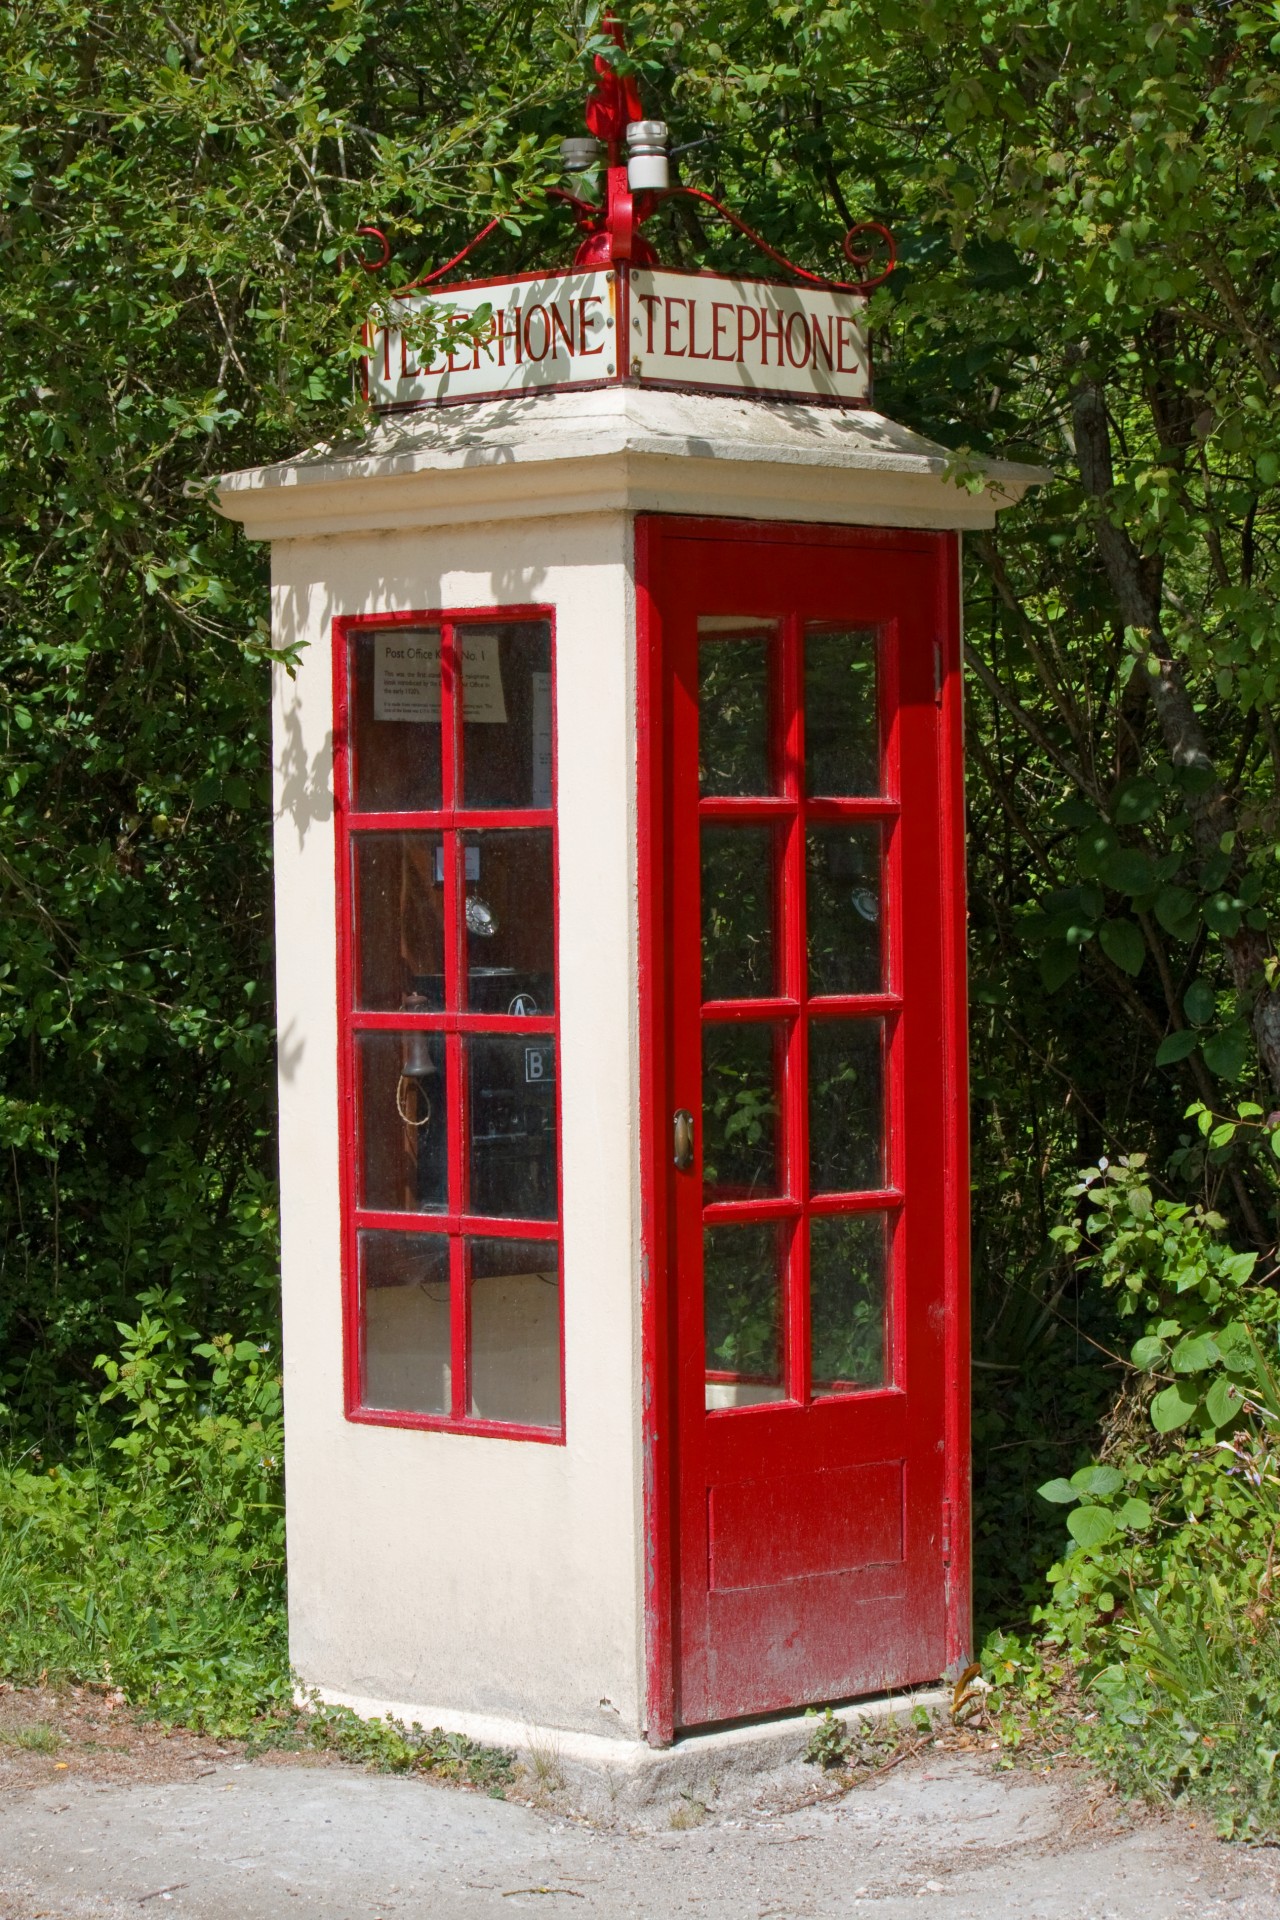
x=865, y=1745
x=1083, y=204
x=41, y=1738
x=392, y=1747
x=154, y=1558
x=180, y=193
x=1161, y=1607
x=831, y=1743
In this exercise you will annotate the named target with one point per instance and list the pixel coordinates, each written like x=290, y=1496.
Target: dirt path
x=101, y=1826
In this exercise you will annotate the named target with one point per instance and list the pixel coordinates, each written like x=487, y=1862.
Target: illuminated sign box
x=641, y=326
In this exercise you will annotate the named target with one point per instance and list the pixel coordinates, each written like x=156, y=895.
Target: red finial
x=615, y=99
x=611, y=232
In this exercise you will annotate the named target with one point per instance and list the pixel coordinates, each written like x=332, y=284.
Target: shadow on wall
x=305, y=781
x=290, y=1047
x=306, y=785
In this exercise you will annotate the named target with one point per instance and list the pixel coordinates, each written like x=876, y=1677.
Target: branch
x=993, y=559
x=1030, y=726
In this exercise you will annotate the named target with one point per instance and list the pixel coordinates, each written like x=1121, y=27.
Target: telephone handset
x=418, y=1070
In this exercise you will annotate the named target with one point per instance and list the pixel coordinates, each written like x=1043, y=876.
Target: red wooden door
x=806, y=1120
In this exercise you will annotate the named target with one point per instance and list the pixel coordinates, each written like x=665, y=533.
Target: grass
x=40, y=1738
x=97, y=1586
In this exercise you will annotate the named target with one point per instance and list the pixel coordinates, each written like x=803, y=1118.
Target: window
x=450, y=1125
x=800, y=1005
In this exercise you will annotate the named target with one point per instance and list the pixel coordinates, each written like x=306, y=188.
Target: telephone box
x=620, y=913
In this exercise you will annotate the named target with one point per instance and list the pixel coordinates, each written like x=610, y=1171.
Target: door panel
x=804, y=1026
x=793, y=1526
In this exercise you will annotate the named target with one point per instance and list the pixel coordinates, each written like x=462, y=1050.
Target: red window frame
x=453, y=822
x=792, y=1007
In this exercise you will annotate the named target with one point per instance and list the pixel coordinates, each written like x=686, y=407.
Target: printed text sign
x=645, y=326
x=699, y=330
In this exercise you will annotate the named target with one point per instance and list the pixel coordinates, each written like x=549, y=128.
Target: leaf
x=1199, y=1003
x=1195, y=1353
x=1091, y=1527
x=1225, y=1054
x=1223, y=1402
x=1134, y=1514
x=994, y=264
x=1093, y=848
x=1098, y=1482
x=1173, y=1408
x=1059, y=964
x=1175, y=909
x=1222, y=914
x=1126, y=870
x=1061, y=1492
x=1122, y=942
x=1134, y=800
x=1147, y=1352
x=1176, y=1046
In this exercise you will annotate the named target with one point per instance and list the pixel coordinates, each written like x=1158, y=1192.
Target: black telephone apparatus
x=512, y=1097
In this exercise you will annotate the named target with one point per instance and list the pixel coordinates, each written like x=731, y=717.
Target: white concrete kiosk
x=511, y=1503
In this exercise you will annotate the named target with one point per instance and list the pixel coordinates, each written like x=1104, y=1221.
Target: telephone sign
x=637, y=325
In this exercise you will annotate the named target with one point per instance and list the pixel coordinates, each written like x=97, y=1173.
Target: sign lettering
x=642, y=326
x=406, y=675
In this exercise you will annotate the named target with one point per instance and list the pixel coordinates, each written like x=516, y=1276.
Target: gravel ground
x=102, y=1818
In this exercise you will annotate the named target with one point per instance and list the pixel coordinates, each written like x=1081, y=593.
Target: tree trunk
x=1211, y=810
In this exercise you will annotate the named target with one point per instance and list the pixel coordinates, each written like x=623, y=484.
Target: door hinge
x=937, y=673
x=946, y=1533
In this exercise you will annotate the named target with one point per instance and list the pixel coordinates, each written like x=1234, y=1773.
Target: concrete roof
x=623, y=447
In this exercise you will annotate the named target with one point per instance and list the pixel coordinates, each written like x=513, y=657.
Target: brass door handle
x=682, y=1138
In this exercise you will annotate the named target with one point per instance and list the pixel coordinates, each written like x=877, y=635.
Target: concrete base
x=598, y=1775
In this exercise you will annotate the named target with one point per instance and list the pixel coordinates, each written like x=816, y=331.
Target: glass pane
x=399, y=933
x=506, y=710
x=841, y=718
x=741, y=1071
x=404, y=1287
x=403, y=1131
x=512, y=1089
x=510, y=922
x=846, y=1105
x=843, y=895
x=848, y=1293
x=737, y=912
x=742, y=1275
x=733, y=704
x=395, y=719
x=515, y=1331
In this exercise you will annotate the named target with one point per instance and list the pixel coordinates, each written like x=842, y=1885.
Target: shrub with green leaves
x=153, y=1557
x=1162, y=1605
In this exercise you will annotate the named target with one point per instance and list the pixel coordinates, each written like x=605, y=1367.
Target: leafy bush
x=1162, y=1607
x=154, y=1558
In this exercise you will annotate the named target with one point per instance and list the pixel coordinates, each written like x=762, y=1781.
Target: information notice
x=406, y=676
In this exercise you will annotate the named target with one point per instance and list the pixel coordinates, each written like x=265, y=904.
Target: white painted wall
x=444, y=1571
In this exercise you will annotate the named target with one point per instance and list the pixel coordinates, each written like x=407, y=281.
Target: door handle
x=682, y=1138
